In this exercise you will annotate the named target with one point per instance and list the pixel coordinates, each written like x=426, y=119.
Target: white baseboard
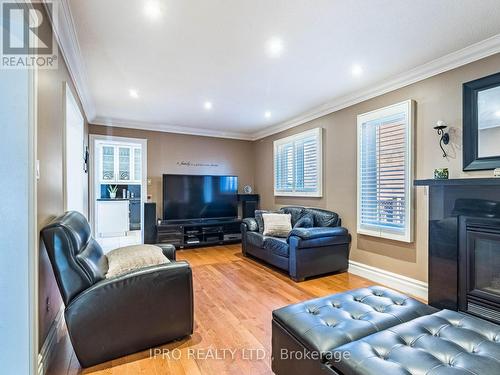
x=55, y=333
x=393, y=280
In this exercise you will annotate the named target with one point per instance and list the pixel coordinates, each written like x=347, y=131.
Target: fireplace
x=468, y=208
x=479, y=267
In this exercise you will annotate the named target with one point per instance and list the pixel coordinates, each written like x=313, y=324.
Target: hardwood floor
x=234, y=297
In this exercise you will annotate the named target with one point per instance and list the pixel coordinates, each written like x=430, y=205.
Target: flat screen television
x=199, y=197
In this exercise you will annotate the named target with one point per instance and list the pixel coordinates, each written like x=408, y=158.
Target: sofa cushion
x=296, y=213
x=255, y=239
x=442, y=343
x=306, y=221
x=277, y=246
x=260, y=220
x=130, y=258
x=323, y=324
x=277, y=225
x=323, y=218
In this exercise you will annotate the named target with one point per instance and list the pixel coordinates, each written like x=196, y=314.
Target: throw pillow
x=306, y=221
x=260, y=220
x=130, y=258
x=277, y=225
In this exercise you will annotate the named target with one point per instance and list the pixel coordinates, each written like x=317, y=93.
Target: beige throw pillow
x=277, y=225
x=130, y=258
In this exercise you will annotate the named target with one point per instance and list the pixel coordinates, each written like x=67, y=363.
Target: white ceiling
x=216, y=51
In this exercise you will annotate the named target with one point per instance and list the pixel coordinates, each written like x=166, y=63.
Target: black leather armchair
x=316, y=245
x=110, y=318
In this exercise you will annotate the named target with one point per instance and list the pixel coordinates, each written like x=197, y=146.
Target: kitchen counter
x=113, y=199
x=119, y=199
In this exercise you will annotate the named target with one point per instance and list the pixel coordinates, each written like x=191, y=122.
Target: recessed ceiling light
x=133, y=93
x=275, y=47
x=356, y=70
x=208, y=106
x=152, y=9
x=497, y=113
x=267, y=114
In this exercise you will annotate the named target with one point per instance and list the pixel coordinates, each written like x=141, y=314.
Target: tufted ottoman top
x=447, y=342
x=323, y=324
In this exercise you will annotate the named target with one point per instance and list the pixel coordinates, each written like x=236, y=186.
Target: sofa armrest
x=250, y=224
x=131, y=312
x=318, y=232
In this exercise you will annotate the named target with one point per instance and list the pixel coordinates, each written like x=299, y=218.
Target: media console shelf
x=193, y=233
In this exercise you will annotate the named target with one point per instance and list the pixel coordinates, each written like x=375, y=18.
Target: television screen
x=199, y=197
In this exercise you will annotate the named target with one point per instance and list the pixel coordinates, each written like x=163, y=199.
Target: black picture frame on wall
x=471, y=159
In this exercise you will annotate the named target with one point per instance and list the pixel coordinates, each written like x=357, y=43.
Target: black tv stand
x=199, y=232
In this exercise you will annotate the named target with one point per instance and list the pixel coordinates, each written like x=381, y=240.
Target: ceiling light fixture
x=152, y=9
x=497, y=113
x=275, y=47
x=356, y=70
x=267, y=114
x=133, y=93
x=208, y=106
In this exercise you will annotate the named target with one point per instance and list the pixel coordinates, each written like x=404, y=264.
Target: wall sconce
x=445, y=137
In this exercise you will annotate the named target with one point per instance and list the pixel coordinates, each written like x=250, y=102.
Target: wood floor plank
x=234, y=297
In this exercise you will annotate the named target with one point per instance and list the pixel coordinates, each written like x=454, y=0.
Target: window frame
x=318, y=193
x=408, y=107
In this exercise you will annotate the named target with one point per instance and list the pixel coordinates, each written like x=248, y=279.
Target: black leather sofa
x=316, y=245
x=375, y=330
x=110, y=318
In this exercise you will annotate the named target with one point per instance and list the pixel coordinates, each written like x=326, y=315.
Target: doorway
x=118, y=190
x=75, y=193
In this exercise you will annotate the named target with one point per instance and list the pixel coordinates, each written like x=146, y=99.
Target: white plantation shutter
x=385, y=172
x=297, y=164
x=284, y=167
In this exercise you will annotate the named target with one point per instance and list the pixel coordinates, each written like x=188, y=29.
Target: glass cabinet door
x=108, y=163
x=124, y=159
x=137, y=164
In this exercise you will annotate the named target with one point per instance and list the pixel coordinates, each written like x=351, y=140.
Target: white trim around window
x=385, y=172
x=298, y=164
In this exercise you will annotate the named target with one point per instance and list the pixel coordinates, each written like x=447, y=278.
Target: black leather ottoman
x=447, y=342
x=305, y=335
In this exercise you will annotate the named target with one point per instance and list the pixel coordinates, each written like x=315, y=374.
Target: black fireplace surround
x=464, y=245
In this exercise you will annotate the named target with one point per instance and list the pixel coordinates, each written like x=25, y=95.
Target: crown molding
x=448, y=62
x=64, y=29
x=166, y=128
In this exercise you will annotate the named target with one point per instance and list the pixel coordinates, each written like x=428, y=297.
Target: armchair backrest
x=77, y=259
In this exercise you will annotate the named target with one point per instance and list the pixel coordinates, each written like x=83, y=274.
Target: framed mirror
x=481, y=123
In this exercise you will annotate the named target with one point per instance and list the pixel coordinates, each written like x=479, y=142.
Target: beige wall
x=50, y=186
x=437, y=98
x=166, y=150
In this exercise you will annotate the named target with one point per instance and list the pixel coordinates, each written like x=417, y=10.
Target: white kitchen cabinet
x=112, y=218
x=108, y=164
x=120, y=164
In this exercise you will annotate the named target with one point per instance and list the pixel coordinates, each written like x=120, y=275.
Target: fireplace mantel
x=459, y=181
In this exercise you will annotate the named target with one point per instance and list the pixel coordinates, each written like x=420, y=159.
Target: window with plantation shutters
x=297, y=164
x=385, y=172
